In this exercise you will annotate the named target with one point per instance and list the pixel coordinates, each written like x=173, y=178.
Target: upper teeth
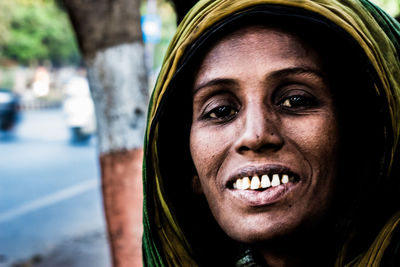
x=254, y=182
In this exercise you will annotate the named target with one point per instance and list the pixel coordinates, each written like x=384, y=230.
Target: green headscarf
x=164, y=242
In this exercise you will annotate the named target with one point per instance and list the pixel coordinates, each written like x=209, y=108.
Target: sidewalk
x=88, y=251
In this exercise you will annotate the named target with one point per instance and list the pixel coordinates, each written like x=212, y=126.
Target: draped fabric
x=164, y=241
x=373, y=256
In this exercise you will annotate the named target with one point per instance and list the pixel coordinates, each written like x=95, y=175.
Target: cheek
x=318, y=136
x=204, y=146
x=317, y=141
x=209, y=149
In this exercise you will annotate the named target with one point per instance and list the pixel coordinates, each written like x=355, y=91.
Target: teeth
x=239, y=183
x=255, y=182
x=265, y=182
x=285, y=179
x=275, y=180
x=245, y=183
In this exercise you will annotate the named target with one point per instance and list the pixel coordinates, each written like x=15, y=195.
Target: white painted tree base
x=117, y=78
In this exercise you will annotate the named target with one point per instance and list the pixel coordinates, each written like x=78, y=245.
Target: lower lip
x=263, y=198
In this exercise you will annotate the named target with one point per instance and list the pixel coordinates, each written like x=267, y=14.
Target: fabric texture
x=164, y=241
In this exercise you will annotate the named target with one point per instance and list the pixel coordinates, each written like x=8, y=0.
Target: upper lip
x=249, y=171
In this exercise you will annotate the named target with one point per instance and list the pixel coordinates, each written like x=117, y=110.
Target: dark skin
x=261, y=106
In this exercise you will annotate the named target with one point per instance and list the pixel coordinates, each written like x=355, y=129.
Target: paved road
x=50, y=194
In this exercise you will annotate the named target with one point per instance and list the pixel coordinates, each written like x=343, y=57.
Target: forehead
x=260, y=48
x=262, y=35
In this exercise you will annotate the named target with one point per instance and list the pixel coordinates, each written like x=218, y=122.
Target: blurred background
x=51, y=205
x=51, y=209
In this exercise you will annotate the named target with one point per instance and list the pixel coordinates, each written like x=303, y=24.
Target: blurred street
x=50, y=195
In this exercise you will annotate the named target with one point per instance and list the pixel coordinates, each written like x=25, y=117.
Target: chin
x=260, y=230
x=271, y=228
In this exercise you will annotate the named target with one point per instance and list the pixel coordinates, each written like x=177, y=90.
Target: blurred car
x=78, y=108
x=9, y=109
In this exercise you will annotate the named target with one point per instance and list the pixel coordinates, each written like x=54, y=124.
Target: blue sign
x=151, y=28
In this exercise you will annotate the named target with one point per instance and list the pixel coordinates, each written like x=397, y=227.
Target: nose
x=260, y=132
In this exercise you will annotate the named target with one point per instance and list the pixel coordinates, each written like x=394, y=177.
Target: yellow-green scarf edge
x=350, y=15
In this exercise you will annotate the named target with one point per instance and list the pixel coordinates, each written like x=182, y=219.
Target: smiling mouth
x=262, y=182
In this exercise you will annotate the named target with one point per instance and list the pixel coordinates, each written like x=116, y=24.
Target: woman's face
x=264, y=135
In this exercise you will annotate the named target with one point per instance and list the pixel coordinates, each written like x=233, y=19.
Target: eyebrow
x=214, y=82
x=275, y=75
x=296, y=71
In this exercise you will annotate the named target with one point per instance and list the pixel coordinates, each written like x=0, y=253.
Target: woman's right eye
x=222, y=112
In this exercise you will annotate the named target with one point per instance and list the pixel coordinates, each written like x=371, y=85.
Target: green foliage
x=37, y=31
x=168, y=18
x=390, y=6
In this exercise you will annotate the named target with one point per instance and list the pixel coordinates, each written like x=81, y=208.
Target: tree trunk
x=109, y=35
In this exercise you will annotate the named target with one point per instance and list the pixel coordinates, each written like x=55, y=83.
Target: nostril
x=243, y=149
x=260, y=148
x=259, y=136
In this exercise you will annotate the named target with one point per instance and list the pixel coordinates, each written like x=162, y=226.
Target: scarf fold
x=374, y=255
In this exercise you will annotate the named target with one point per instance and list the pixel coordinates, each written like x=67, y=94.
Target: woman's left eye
x=222, y=112
x=297, y=101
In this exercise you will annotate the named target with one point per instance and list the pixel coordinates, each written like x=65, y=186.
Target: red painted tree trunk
x=122, y=190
